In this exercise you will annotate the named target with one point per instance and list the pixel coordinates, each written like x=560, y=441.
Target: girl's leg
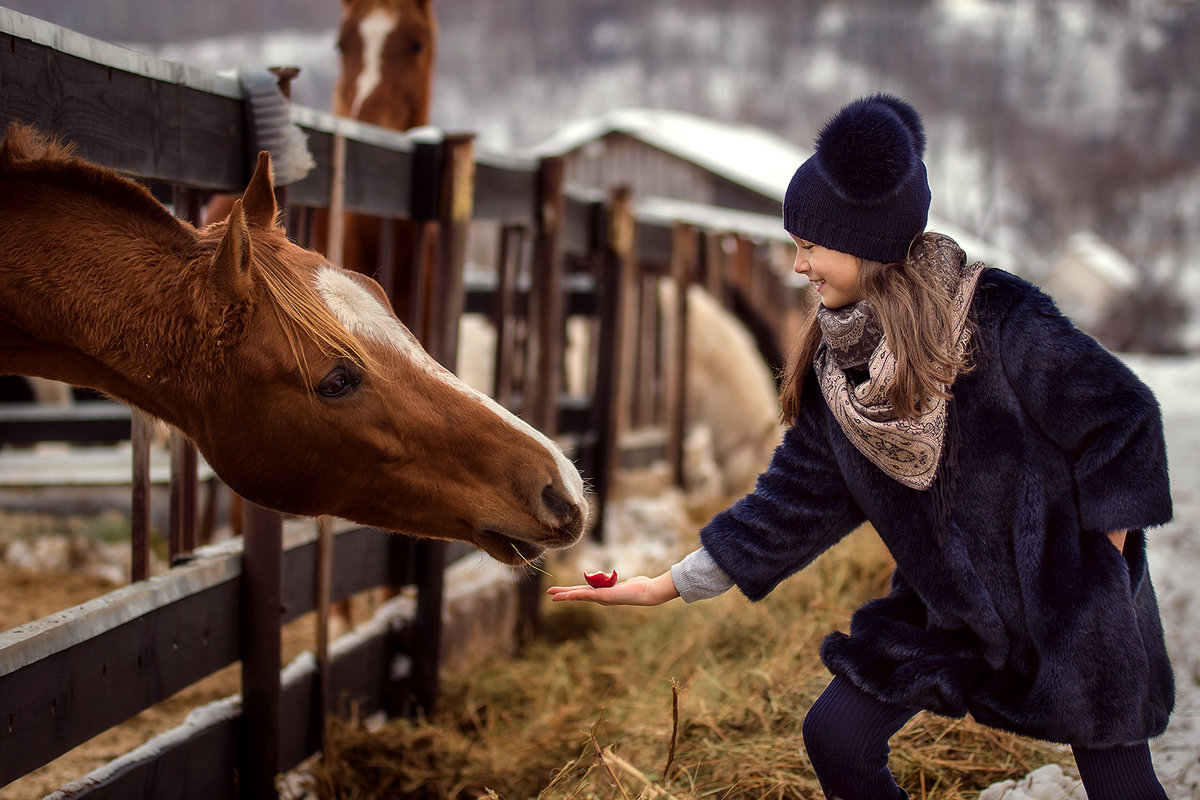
x=1118, y=773
x=846, y=735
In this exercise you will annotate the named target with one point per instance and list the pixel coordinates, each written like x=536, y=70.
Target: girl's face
x=835, y=274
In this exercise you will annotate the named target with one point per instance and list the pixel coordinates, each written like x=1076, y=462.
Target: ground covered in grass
x=679, y=701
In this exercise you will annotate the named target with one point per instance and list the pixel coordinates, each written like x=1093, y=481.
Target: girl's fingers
x=584, y=592
x=633, y=592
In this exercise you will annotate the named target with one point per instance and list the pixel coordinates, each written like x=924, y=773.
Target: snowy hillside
x=1045, y=117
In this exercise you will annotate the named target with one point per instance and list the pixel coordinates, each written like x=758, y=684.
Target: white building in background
x=1089, y=279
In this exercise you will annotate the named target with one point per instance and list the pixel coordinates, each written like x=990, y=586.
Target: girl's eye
x=340, y=382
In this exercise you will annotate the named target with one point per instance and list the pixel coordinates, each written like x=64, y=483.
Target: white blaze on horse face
x=374, y=30
x=363, y=315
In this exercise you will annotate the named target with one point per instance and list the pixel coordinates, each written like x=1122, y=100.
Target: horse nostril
x=559, y=506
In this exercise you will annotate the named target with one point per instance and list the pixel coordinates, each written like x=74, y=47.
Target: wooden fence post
x=547, y=291
x=452, y=184
x=682, y=270
x=510, y=247
x=184, y=458
x=621, y=226
x=456, y=199
x=547, y=329
x=615, y=268
x=140, y=427
x=258, y=751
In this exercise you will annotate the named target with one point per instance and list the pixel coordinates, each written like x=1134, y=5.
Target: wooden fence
x=72, y=676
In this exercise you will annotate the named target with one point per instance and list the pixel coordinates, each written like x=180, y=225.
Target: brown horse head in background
x=292, y=376
x=387, y=52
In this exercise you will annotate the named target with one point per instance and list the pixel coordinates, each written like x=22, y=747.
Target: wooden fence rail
x=556, y=257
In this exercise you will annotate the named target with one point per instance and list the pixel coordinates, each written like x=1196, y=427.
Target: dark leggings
x=846, y=734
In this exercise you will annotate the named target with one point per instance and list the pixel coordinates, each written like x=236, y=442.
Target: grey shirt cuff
x=697, y=577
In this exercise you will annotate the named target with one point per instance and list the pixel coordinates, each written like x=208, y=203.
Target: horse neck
x=99, y=293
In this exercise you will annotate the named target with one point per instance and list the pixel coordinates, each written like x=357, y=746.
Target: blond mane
x=303, y=315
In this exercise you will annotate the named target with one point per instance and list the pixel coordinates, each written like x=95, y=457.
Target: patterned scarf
x=906, y=448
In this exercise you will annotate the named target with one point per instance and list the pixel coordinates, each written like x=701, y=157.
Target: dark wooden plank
x=653, y=246
x=360, y=563
x=196, y=762
x=85, y=422
x=378, y=180
x=313, y=189
x=581, y=223
x=133, y=123
x=140, y=644
x=71, y=677
x=379, y=165
x=505, y=189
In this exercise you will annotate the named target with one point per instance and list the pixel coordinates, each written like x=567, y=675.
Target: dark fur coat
x=1021, y=612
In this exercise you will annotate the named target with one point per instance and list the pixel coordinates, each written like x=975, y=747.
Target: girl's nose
x=800, y=266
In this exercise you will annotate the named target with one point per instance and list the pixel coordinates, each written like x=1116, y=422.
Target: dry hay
x=673, y=702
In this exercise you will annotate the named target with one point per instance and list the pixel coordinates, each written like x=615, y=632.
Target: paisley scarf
x=908, y=449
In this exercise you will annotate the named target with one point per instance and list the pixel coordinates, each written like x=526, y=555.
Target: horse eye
x=340, y=382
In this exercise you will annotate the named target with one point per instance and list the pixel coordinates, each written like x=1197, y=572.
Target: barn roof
x=745, y=154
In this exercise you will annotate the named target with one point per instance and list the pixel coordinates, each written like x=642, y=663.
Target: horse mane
x=24, y=142
x=299, y=311
x=302, y=314
x=26, y=150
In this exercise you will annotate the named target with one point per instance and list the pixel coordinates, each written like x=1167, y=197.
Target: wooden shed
x=684, y=157
x=660, y=153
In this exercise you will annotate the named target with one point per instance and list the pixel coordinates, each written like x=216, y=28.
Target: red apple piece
x=600, y=580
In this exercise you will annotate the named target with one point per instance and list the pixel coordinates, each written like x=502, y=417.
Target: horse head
x=387, y=52
x=320, y=401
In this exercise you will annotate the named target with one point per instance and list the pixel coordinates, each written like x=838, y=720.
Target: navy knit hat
x=864, y=190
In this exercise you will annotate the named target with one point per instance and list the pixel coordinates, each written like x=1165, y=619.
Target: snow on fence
x=553, y=256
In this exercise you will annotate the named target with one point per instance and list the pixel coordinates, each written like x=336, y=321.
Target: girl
x=1009, y=463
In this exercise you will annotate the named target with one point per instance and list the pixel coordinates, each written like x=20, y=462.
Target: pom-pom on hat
x=864, y=191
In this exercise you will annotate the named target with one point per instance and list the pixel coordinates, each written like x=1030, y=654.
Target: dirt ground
x=30, y=595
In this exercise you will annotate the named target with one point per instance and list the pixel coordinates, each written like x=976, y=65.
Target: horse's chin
x=507, y=550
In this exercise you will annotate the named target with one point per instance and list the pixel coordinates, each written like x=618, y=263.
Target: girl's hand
x=640, y=591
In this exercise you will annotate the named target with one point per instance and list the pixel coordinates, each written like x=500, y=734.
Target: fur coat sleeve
x=800, y=507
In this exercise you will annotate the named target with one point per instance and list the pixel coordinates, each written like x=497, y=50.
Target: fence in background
x=558, y=261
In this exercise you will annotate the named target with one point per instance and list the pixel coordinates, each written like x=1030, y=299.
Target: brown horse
x=387, y=50
x=292, y=376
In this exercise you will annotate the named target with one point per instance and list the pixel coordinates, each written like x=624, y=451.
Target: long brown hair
x=917, y=314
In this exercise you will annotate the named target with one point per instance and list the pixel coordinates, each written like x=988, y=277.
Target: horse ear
x=259, y=197
x=229, y=273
